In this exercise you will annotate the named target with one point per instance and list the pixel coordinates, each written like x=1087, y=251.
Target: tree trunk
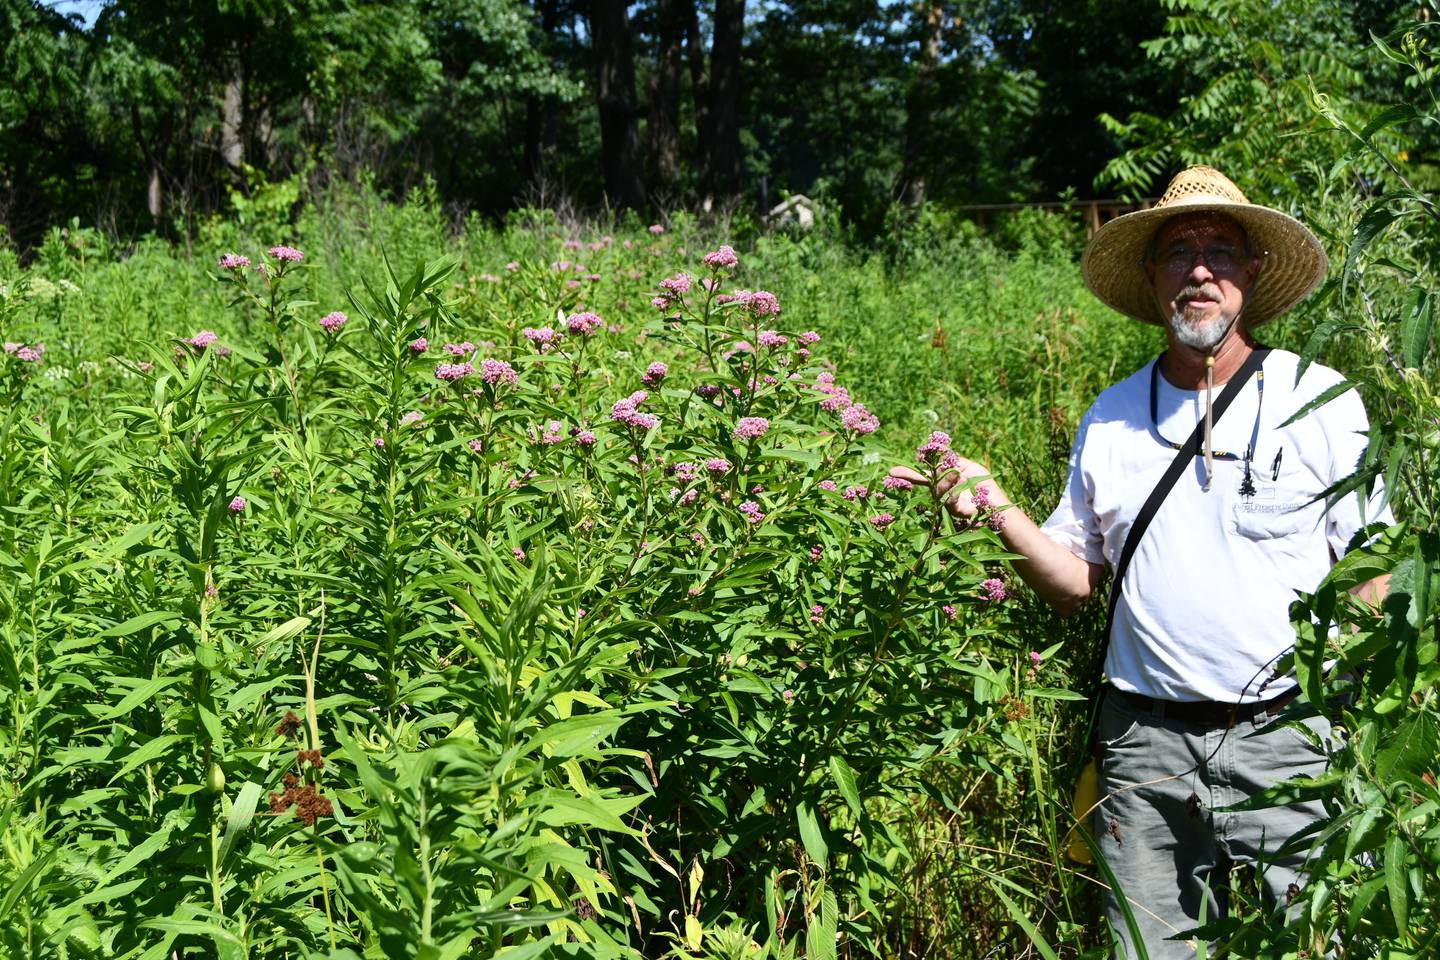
x=721, y=165
x=918, y=102
x=615, y=94
x=542, y=116
x=699, y=80
x=665, y=95
x=232, y=137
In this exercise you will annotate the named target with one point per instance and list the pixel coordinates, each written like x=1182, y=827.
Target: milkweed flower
x=750, y=428
x=882, y=520
x=379, y=441
x=751, y=510
x=585, y=439
x=495, y=372
x=856, y=492
x=935, y=446
x=543, y=337
x=816, y=552
x=950, y=612
x=807, y=338
x=475, y=445
x=655, y=230
x=551, y=435
x=993, y=590
x=676, y=286
x=627, y=411
x=202, y=339
x=817, y=613
x=237, y=505
x=855, y=417
x=419, y=345
x=760, y=303
x=287, y=254
x=896, y=483
x=655, y=374
x=414, y=416
x=685, y=471
x=233, y=261
x=828, y=485
x=584, y=324
x=30, y=354
x=724, y=257
x=717, y=465
x=453, y=371
x=462, y=349
x=333, y=321
x=769, y=338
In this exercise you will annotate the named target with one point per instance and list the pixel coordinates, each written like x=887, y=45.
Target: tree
x=615, y=97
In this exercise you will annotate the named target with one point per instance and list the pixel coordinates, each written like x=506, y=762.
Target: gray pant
x=1167, y=849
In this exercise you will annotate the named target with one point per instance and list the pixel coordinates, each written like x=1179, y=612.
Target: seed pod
x=215, y=781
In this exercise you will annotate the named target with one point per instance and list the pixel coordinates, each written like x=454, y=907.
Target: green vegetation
x=362, y=606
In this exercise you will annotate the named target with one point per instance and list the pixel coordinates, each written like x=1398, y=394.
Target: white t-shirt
x=1204, y=609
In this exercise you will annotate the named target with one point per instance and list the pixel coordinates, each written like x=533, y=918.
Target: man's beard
x=1198, y=335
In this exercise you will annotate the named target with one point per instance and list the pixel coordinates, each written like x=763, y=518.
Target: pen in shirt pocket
x=1275, y=467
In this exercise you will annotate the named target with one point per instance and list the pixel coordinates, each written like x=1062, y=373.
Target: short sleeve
x=1347, y=429
x=1074, y=524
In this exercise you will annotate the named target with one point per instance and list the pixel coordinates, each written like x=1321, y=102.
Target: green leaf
x=142, y=622
x=1396, y=883
x=1410, y=751
x=1371, y=225
x=1416, y=327
x=1330, y=393
x=146, y=753
x=242, y=811
x=811, y=834
x=1024, y=923
x=845, y=783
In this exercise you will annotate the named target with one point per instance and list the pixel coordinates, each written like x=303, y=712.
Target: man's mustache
x=1206, y=290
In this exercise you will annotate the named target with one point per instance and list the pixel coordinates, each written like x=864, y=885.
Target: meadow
x=382, y=585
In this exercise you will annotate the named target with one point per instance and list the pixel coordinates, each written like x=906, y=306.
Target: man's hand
x=961, y=504
x=1062, y=579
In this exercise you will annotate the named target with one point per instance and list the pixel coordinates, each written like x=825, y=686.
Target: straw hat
x=1293, y=262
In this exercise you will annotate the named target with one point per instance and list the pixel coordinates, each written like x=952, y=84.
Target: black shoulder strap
x=1183, y=459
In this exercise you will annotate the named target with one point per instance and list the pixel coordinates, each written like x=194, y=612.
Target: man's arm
x=1061, y=579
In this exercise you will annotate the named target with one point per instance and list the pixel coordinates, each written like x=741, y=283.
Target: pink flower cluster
x=717, y=465
x=627, y=411
x=202, y=339
x=419, y=345
x=552, y=435
x=585, y=438
x=882, y=520
x=897, y=483
x=453, y=371
x=685, y=471
x=584, y=324
x=655, y=374
x=233, y=261
x=722, y=258
x=807, y=338
x=836, y=396
x=21, y=352
x=759, y=303
x=817, y=613
x=751, y=510
x=544, y=338
x=656, y=229
x=856, y=418
x=461, y=349
x=771, y=339
x=936, y=452
x=411, y=418
x=495, y=372
x=287, y=254
x=993, y=590
x=237, y=505
x=333, y=321
x=750, y=428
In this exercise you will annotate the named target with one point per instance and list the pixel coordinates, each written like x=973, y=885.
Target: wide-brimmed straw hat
x=1292, y=260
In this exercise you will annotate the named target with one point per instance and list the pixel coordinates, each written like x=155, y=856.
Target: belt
x=1206, y=713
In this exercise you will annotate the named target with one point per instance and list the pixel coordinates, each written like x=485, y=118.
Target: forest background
x=152, y=115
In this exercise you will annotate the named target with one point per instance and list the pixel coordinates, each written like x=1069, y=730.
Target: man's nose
x=1200, y=271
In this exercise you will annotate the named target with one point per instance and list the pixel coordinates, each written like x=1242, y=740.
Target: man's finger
x=914, y=476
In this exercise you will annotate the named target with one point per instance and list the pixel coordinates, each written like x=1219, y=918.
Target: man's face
x=1201, y=275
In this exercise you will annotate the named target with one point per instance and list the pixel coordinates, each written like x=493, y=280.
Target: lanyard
x=1217, y=454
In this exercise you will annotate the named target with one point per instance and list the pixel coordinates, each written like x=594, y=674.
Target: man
x=1188, y=723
